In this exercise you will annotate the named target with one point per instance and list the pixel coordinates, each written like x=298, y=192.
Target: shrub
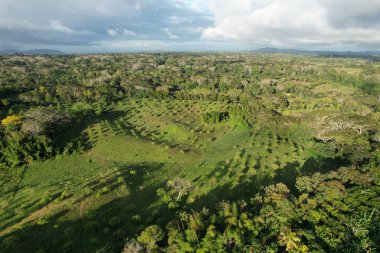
x=105, y=190
x=68, y=231
x=92, y=226
x=106, y=230
x=10, y=242
x=118, y=234
x=214, y=117
x=68, y=246
x=46, y=199
x=42, y=221
x=114, y=222
x=64, y=195
x=136, y=218
x=150, y=236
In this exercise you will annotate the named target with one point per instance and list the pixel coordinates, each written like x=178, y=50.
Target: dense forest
x=189, y=152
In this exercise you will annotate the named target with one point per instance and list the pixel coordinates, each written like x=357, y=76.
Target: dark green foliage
x=214, y=117
x=370, y=87
x=299, y=133
x=189, y=153
x=109, y=89
x=92, y=227
x=17, y=149
x=274, y=219
x=114, y=222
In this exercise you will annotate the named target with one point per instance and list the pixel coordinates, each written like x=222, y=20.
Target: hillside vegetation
x=189, y=153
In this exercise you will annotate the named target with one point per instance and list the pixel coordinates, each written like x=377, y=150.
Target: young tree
x=290, y=240
x=175, y=190
x=151, y=236
x=180, y=187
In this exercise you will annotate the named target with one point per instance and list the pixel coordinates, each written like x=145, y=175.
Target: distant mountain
x=31, y=51
x=300, y=51
x=43, y=51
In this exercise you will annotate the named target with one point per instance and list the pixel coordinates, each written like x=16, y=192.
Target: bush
x=150, y=236
x=68, y=246
x=10, y=242
x=17, y=148
x=106, y=230
x=214, y=117
x=118, y=234
x=136, y=218
x=42, y=221
x=114, y=222
x=92, y=226
x=105, y=190
x=68, y=231
x=46, y=199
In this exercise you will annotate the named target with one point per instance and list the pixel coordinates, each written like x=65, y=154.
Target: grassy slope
x=136, y=147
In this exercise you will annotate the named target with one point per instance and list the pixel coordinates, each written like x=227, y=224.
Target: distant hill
x=31, y=51
x=300, y=51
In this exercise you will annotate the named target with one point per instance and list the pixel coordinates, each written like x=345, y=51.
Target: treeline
x=36, y=135
x=205, y=76
x=336, y=211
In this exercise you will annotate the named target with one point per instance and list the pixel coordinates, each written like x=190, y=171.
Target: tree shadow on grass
x=75, y=134
x=289, y=173
x=323, y=164
x=249, y=186
x=127, y=215
x=79, y=229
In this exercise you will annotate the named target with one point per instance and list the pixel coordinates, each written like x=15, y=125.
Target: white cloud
x=58, y=26
x=196, y=5
x=233, y=24
x=295, y=23
x=53, y=25
x=112, y=32
x=129, y=32
x=118, y=31
x=170, y=34
x=177, y=19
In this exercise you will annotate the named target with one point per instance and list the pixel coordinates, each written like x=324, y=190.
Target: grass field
x=108, y=192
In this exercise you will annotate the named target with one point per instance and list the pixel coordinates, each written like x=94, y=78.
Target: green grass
x=135, y=148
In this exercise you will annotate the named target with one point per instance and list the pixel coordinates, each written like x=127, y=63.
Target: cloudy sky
x=186, y=25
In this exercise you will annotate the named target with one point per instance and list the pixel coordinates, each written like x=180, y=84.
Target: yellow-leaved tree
x=11, y=120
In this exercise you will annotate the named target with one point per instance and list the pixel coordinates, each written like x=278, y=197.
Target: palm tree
x=289, y=240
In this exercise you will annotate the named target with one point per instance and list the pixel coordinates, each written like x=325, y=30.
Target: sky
x=85, y=26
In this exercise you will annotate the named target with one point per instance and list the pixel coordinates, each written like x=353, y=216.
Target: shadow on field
x=75, y=134
x=249, y=186
x=323, y=165
x=130, y=209
x=127, y=214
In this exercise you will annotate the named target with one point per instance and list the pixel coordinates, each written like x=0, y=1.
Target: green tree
x=151, y=236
